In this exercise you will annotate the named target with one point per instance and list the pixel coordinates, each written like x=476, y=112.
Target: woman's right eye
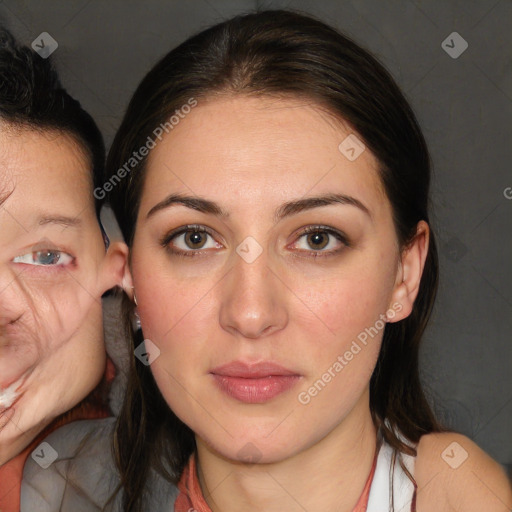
x=190, y=240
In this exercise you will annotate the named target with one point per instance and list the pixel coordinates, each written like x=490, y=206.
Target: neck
x=329, y=475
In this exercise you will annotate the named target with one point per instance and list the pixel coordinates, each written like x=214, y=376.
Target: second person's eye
x=45, y=257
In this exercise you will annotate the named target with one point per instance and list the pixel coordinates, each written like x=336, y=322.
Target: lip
x=8, y=398
x=254, y=383
x=17, y=382
x=11, y=393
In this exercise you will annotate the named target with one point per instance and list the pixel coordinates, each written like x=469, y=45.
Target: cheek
x=343, y=331
x=342, y=324
x=169, y=304
x=180, y=317
x=54, y=311
x=344, y=305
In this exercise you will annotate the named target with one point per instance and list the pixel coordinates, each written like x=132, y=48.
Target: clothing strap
x=191, y=497
x=391, y=485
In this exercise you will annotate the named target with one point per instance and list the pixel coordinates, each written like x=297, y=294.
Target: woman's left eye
x=320, y=240
x=44, y=258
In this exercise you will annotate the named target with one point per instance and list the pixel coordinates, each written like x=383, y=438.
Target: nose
x=253, y=302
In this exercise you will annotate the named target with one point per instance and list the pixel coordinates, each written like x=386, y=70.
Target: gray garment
x=83, y=475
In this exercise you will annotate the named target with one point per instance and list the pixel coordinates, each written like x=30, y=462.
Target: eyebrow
x=308, y=203
x=44, y=219
x=194, y=203
x=60, y=220
x=285, y=210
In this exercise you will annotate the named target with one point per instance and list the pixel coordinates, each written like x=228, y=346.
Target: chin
x=253, y=449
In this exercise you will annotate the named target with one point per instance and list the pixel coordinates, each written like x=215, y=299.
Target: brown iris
x=318, y=240
x=195, y=239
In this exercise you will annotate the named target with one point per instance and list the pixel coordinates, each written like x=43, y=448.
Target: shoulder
x=72, y=465
x=453, y=474
x=79, y=473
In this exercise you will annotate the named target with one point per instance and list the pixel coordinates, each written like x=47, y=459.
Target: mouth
x=254, y=383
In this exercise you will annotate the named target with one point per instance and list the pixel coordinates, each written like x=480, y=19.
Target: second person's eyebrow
x=61, y=220
x=285, y=210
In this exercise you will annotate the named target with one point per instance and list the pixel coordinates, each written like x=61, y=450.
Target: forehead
x=244, y=151
x=44, y=171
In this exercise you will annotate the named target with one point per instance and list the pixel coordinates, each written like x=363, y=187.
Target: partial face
x=264, y=263
x=52, y=276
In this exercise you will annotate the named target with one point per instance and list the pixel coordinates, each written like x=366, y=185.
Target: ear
x=114, y=266
x=410, y=270
x=127, y=284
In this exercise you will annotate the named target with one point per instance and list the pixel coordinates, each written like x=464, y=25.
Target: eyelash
x=341, y=237
x=164, y=242
x=47, y=267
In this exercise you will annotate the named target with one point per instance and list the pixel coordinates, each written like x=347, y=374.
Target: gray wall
x=464, y=106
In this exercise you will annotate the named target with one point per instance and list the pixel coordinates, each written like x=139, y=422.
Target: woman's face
x=53, y=271
x=264, y=263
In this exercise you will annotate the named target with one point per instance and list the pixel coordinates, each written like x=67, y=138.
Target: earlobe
x=127, y=282
x=410, y=270
x=114, y=266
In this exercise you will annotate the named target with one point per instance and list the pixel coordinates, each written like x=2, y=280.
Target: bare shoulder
x=454, y=475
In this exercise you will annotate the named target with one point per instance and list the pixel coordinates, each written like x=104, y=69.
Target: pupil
x=195, y=239
x=317, y=240
x=47, y=257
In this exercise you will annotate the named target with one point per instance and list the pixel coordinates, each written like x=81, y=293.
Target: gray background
x=464, y=106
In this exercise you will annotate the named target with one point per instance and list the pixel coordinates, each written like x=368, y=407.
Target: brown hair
x=280, y=53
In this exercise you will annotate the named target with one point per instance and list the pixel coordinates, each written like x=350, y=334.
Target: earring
x=136, y=321
x=135, y=299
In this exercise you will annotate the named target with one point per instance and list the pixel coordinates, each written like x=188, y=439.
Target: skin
x=53, y=271
x=287, y=306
